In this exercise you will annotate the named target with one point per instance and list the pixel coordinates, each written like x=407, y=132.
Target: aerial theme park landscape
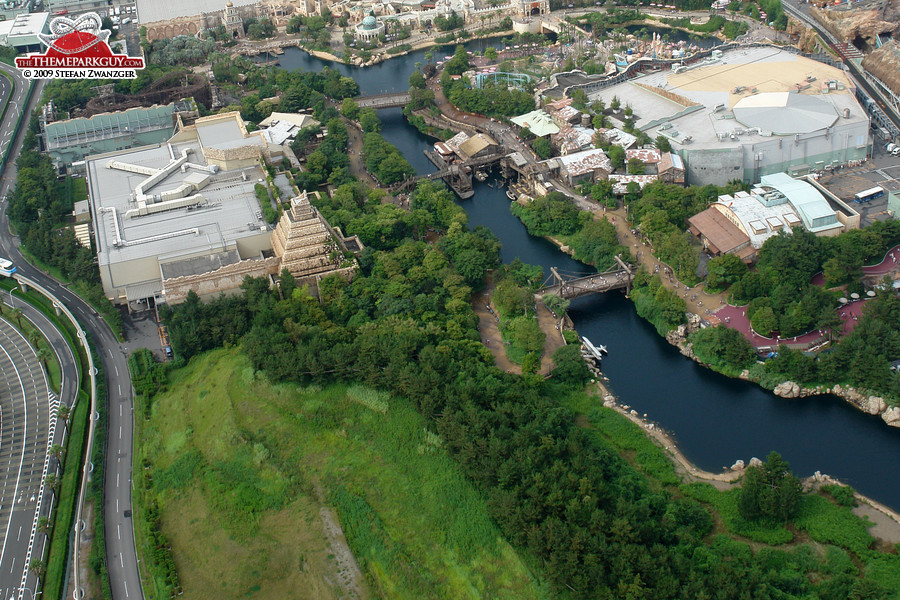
x=476, y=299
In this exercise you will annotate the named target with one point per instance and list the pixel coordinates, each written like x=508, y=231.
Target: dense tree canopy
x=553, y=214
x=384, y=161
x=769, y=492
x=723, y=347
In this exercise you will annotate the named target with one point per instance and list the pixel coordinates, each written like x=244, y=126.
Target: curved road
x=16, y=94
x=121, y=556
x=28, y=409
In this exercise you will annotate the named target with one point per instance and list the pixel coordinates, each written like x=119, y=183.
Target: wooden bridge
x=376, y=101
x=570, y=286
x=453, y=173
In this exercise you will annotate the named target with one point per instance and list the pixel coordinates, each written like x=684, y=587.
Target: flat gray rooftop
x=150, y=11
x=711, y=90
x=225, y=134
x=229, y=210
x=198, y=265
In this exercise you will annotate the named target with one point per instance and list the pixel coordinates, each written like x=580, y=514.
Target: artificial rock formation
x=884, y=63
x=864, y=23
x=788, y=389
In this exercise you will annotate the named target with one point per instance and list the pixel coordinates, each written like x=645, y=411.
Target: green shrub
x=842, y=494
x=828, y=523
x=628, y=437
x=726, y=504
x=723, y=347
x=400, y=48
x=372, y=399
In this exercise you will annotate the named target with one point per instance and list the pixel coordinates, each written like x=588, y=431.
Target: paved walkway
x=357, y=167
x=736, y=316
x=697, y=299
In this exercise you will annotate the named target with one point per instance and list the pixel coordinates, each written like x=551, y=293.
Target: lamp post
x=34, y=595
x=12, y=302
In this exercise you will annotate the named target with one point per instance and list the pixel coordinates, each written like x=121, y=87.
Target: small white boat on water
x=510, y=195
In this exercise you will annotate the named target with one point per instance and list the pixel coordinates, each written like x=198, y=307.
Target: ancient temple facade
x=309, y=248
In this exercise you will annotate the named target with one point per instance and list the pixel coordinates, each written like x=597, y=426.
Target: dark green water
x=715, y=420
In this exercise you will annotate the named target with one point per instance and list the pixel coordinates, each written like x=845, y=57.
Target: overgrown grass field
x=242, y=470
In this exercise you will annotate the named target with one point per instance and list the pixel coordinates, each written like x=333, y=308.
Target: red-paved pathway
x=890, y=262
x=736, y=317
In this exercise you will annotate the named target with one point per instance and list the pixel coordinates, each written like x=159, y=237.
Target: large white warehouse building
x=749, y=112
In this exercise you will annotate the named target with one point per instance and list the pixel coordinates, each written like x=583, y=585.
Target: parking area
x=142, y=331
x=882, y=170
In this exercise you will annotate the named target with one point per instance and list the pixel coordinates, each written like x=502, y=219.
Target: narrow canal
x=715, y=420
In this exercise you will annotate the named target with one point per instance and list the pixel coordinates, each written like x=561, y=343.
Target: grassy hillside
x=249, y=480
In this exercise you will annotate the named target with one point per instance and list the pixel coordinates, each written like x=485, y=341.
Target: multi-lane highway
x=121, y=554
x=28, y=428
x=16, y=90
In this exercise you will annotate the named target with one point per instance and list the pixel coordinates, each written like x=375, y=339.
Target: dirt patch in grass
x=292, y=552
x=349, y=577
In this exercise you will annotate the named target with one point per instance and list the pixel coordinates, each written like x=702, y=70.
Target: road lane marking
x=22, y=461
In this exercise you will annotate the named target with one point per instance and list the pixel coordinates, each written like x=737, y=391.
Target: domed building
x=232, y=21
x=369, y=28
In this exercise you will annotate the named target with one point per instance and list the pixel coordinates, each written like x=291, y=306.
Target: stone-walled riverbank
x=869, y=404
x=886, y=521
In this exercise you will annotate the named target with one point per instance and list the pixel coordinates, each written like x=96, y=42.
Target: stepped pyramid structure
x=307, y=245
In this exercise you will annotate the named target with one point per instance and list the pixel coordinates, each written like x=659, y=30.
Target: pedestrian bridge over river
x=377, y=101
x=568, y=286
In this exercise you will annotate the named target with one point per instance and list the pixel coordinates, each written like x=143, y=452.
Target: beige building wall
x=226, y=280
x=116, y=276
x=252, y=246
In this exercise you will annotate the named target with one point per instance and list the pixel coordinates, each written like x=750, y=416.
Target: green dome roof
x=369, y=22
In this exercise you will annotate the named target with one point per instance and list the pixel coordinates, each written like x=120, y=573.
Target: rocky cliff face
x=865, y=23
x=884, y=63
x=806, y=37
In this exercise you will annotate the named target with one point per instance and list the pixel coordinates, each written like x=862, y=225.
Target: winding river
x=715, y=420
